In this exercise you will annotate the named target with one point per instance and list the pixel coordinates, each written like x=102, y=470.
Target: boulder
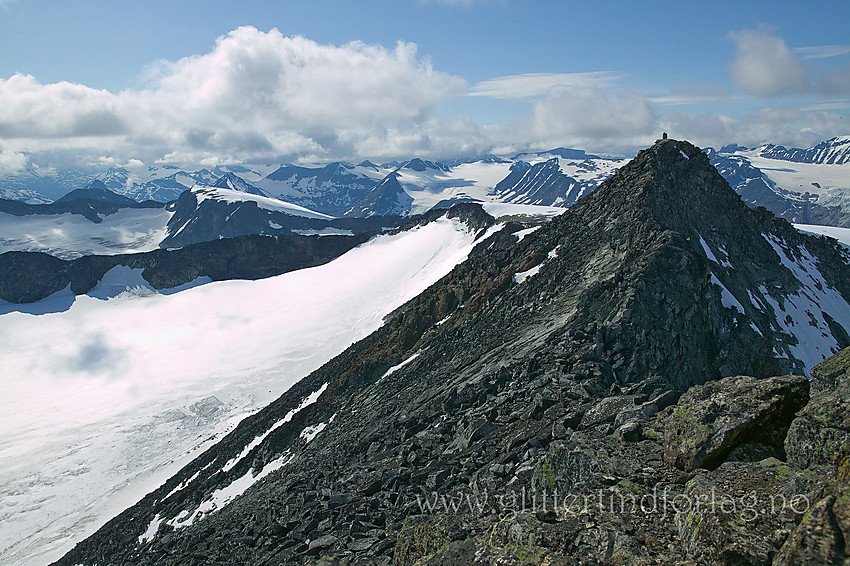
x=711, y=420
x=607, y=409
x=820, y=537
x=821, y=433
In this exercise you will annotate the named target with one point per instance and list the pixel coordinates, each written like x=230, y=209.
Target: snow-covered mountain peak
x=231, y=195
x=234, y=182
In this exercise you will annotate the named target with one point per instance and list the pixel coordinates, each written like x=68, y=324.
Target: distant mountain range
x=802, y=185
x=809, y=187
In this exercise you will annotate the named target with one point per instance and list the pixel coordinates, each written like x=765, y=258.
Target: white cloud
x=11, y=161
x=60, y=110
x=267, y=81
x=822, y=51
x=592, y=116
x=255, y=94
x=831, y=105
x=764, y=64
x=538, y=84
x=263, y=97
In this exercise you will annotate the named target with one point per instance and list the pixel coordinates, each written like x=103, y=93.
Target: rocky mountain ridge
x=26, y=277
x=205, y=214
x=550, y=362
x=835, y=151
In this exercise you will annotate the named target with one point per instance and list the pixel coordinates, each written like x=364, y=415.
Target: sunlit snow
x=67, y=236
x=840, y=234
x=802, y=314
x=230, y=195
x=98, y=394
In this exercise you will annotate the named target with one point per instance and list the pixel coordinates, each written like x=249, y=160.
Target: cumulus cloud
x=263, y=97
x=60, y=110
x=254, y=79
x=11, y=161
x=255, y=93
x=764, y=64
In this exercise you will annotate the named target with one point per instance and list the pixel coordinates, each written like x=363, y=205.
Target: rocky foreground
x=616, y=386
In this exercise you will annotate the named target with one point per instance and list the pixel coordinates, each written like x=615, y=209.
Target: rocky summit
x=625, y=384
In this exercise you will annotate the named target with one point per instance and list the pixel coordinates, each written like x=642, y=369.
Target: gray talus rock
x=821, y=433
x=711, y=420
x=821, y=536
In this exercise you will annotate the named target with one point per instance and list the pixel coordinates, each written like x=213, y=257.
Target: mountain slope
x=27, y=277
x=795, y=202
x=386, y=199
x=835, y=151
x=331, y=189
x=234, y=182
x=96, y=191
x=209, y=213
x=509, y=376
x=172, y=370
x=542, y=184
x=807, y=185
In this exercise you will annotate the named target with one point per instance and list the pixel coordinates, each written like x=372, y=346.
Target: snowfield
x=108, y=394
x=830, y=182
x=840, y=234
x=203, y=193
x=68, y=236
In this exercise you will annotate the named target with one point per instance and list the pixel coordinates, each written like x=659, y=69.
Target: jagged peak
x=674, y=183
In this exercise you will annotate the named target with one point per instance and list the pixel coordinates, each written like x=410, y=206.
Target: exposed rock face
x=332, y=189
x=91, y=209
x=542, y=183
x=386, y=199
x=26, y=277
x=515, y=412
x=714, y=419
x=819, y=439
x=211, y=219
x=821, y=433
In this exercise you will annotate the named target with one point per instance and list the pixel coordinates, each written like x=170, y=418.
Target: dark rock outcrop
x=26, y=277
x=206, y=219
x=819, y=440
x=713, y=420
x=91, y=209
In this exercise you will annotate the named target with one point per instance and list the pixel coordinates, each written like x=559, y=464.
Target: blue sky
x=98, y=83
